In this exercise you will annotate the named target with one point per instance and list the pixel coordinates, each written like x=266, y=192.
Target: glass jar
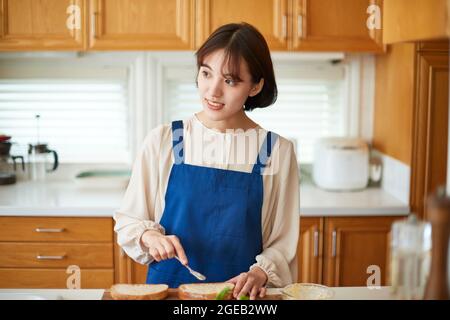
x=410, y=257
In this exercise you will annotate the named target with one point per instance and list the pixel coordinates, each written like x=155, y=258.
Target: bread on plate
x=139, y=291
x=206, y=291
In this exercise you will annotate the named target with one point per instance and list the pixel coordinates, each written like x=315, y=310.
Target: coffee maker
x=8, y=174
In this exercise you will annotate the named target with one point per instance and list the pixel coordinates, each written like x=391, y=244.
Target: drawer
x=55, y=255
x=56, y=229
x=54, y=278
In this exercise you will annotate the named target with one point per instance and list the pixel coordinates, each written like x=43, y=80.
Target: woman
x=231, y=220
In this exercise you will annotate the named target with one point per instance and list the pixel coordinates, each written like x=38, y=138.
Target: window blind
x=84, y=120
x=310, y=103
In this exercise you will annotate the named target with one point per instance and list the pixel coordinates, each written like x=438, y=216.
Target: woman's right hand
x=163, y=247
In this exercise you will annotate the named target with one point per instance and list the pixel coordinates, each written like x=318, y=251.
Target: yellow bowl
x=306, y=291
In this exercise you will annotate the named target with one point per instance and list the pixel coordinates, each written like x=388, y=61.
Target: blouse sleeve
x=279, y=256
x=136, y=213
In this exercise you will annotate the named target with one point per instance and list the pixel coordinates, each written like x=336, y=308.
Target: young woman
x=234, y=220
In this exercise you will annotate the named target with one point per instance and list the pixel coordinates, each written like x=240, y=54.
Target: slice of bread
x=139, y=291
x=204, y=291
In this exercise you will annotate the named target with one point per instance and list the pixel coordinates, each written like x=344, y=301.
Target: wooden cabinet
x=347, y=246
x=411, y=113
x=36, y=251
x=335, y=251
x=141, y=24
x=97, y=24
x=415, y=20
x=354, y=244
x=330, y=25
x=310, y=250
x=270, y=17
x=430, y=123
x=299, y=25
x=42, y=25
x=127, y=270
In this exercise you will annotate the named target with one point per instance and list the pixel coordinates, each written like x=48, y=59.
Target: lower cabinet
x=56, y=252
x=36, y=252
x=334, y=251
x=344, y=251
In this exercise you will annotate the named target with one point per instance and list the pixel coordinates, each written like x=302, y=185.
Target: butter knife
x=196, y=274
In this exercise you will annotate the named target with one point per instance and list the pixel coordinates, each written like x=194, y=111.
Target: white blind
x=84, y=120
x=310, y=103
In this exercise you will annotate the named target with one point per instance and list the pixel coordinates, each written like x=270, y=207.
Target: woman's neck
x=238, y=121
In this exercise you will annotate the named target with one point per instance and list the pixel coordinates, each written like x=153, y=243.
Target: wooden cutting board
x=272, y=294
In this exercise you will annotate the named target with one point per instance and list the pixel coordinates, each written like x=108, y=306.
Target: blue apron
x=215, y=213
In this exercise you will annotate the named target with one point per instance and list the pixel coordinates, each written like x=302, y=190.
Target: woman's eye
x=205, y=73
x=231, y=82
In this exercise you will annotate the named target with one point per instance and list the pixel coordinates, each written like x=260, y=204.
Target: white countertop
x=369, y=202
x=58, y=199
x=66, y=198
x=340, y=293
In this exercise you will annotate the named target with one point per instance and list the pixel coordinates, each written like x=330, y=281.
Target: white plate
x=306, y=291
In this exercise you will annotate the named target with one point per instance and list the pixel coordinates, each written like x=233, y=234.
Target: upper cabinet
x=270, y=17
x=343, y=25
x=287, y=25
x=300, y=25
x=141, y=24
x=42, y=25
x=416, y=20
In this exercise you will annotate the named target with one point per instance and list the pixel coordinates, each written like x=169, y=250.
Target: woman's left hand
x=250, y=284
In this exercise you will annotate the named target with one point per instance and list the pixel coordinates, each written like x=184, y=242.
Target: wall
x=394, y=100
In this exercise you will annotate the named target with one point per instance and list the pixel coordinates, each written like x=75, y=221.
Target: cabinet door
x=309, y=250
x=141, y=24
x=352, y=245
x=407, y=20
x=270, y=17
x=430, y=127
x=334, y=25
x=126, y=270
x=42, y=25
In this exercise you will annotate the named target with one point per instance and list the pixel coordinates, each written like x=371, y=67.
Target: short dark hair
x=244, y=40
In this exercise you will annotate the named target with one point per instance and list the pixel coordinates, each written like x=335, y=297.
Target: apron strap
x=177, y=141
x=264, y=152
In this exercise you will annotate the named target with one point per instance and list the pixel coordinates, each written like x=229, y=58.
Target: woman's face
x=222, y=96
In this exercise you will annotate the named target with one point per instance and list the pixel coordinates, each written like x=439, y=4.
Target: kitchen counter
x=340, y=293
x=63, y=198
x=368, y=202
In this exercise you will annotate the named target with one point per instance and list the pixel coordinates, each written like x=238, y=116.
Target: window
x=84, y=120
x=310, y=104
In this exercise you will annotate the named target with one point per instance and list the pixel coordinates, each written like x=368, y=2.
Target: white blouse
x=143, y=204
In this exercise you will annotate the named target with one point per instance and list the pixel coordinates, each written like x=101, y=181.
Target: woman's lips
x=214, y=105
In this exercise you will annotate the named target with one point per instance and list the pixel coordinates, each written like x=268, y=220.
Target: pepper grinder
x=439, y=217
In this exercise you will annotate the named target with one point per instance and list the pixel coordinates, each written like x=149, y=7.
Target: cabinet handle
x=284, y=27
x=333, y=244
x=94, y=31
x=316, y=243
x=40, y=257
x=51, y=230
x=300, y=26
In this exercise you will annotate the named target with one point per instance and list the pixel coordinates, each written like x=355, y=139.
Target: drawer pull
x=49, y=230
x=316, y=243
x=39, y=257
x=300, y=26
x=333, y=245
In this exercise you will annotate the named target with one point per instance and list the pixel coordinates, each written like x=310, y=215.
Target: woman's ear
x=257, y=88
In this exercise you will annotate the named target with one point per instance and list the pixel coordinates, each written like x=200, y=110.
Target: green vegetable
x=244, y=298
x=222, y=294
